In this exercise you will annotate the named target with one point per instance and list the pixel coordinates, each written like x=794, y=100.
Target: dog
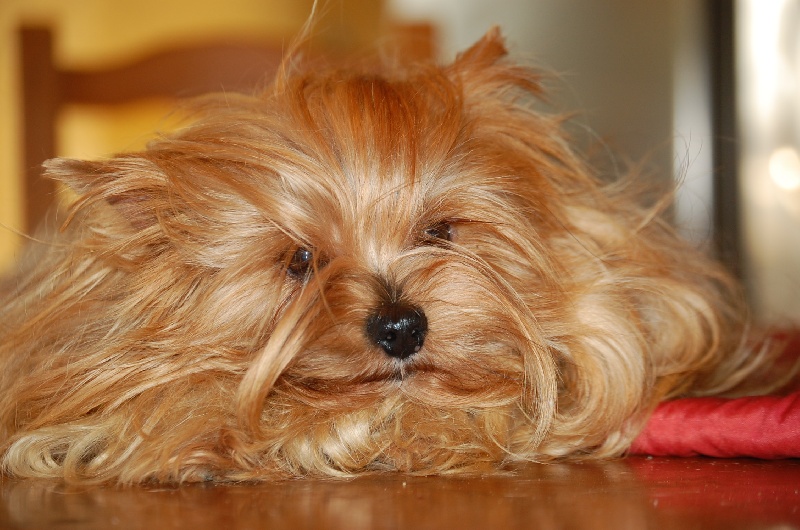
x=393, y=267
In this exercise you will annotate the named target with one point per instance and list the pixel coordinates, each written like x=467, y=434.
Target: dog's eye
x=300, y=262
x=442, y=231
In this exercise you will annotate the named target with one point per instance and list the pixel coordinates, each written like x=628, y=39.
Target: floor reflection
x=634, y=493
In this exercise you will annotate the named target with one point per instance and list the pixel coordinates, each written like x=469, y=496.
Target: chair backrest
x=176, y=73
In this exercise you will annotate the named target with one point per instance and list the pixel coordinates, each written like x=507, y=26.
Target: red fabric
x=760, y=427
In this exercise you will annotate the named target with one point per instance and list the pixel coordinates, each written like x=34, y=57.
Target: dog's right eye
x=300, y=263
x=441, y=231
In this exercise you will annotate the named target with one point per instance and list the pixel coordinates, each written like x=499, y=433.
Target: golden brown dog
x=385, y=268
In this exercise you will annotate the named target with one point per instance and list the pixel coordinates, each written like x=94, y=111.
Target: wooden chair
x=176, y=73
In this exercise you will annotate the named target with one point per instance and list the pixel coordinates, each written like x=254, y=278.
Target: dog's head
x=368, y=268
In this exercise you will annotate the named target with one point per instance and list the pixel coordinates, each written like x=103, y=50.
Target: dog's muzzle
x=398, y=328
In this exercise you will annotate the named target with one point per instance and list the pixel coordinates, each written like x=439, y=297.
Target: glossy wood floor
x=635, y=493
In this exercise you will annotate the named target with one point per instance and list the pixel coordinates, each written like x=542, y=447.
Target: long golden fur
x=208, y=310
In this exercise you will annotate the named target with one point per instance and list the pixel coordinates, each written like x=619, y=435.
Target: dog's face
x=402, y=270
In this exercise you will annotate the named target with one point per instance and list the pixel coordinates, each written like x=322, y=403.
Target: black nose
x=398, y=328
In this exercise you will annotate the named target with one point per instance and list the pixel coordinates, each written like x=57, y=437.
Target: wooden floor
x=635, y=493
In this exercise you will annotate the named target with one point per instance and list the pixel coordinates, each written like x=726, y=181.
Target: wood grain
x=633, y=493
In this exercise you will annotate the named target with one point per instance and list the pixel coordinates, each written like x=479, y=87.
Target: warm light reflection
x=784, y=168
x=768, y=87
x=763, y=22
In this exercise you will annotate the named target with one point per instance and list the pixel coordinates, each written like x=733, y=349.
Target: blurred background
x=703, y=91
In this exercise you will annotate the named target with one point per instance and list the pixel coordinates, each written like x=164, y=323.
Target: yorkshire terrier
x=394, y=267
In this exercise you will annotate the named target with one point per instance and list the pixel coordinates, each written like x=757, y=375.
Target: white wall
x=634, y=71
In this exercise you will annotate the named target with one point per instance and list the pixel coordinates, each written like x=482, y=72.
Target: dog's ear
x=128, y=183
x=486, y=52
x=481, y=69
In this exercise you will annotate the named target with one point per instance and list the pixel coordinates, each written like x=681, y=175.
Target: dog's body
x=356, y=270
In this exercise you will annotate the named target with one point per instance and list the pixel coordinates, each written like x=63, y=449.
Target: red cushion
x=759, y=427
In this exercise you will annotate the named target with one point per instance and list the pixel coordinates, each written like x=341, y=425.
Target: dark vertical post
x=40, y=92
x=727, y=230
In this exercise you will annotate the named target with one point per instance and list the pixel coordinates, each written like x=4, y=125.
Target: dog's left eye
x=300, y=262
x=442, y=231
